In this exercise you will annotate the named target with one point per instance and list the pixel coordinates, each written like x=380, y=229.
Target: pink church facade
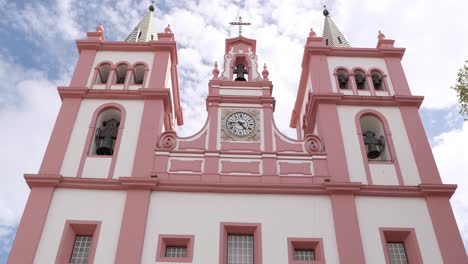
x=119, y=184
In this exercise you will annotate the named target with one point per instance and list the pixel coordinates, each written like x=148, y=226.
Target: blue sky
x=38, y=53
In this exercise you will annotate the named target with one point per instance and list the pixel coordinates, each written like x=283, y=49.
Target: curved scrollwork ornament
x=313, y=144
x=167, y=141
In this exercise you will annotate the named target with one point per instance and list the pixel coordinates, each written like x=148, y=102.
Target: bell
x=375, y=146
x=377, y=81
x=240, y=71
x=372, y=151
x=360, y=80
x=105, y=137
x=342, y=80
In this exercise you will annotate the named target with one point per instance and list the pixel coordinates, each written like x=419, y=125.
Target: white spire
x=332, y=36
x=145, y=30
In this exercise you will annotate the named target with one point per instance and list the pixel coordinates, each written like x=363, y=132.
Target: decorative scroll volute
x=313, y=144
x=167, y=141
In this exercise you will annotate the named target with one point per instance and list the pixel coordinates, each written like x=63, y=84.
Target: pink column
x=397, y=75
x=132, y=229
x=446, y=230
x=31, y=225
x=348, y=235
x=83, y=68
x=53, y=157
x=420, y=145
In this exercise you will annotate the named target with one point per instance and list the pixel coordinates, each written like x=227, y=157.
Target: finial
x=100, y=28
x=168, y=29
x=325, y=11
x=381, y=35
x=151, y=7
x=312, y=33
x=215, y=71
x=265, y=72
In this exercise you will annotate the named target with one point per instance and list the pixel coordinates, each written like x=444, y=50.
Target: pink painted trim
x=60, y=137
x=407, y=236
x=388, y=138
x=347, y=229
x=83, y=68
x=90, y=136
x=420, y=147
x=397, y=75
x=175, y=240
x=445, y=227
x=71, y=230
x=254, y=229
x=32, y=223
x=315, y=244
x=132, y=229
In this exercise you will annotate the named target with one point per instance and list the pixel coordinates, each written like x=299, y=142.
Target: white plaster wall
x=96, y=167
x=117, y=56
x=400, y=138
x=92, y=205
x=383, y=174
x=376, y=212
x=280, y=216
x=249, y=92
x=350, y=63
x=75, y=148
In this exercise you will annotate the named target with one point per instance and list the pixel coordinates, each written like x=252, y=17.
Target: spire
x=145, y=30
x=332, y=36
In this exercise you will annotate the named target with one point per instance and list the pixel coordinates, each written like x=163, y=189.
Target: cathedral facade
x=117, y=183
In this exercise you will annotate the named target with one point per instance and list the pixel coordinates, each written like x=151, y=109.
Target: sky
x=38, y=53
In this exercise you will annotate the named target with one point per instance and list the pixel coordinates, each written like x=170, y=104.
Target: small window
x=377, y=81
x=103, y=74
x=305, y=250
x=343, y=79
x=81, y=249
x=139, y=74
x=240, y=249
x=397, y=253
x=175, y=248
x=360, y=78
x=121, y=73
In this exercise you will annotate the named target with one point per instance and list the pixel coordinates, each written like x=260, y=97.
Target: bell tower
x=359, y=101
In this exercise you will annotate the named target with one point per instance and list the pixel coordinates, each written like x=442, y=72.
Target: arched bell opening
x=378, y=81
x=241, y=69
x=138, y=74
x=360, y=80
x=374, y=138
x=121, y=73
x=106, y=132
x=103, y=72
x=342, y=77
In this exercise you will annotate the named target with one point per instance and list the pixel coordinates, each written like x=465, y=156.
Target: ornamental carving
x=313, y=144
x=167, y=141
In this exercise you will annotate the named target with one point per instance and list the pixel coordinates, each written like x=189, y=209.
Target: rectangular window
x=240, y=249
x=400, y=246
x=397, y=253
x=175, y=248
x=304, y=254
x=81, y=249
x=240, y=243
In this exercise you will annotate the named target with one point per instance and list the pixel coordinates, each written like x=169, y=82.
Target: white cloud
x=451, y=154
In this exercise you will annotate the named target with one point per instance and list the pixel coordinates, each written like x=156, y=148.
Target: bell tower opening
x=241, y=73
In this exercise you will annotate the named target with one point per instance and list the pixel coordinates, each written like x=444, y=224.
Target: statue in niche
x=105, y=137
x=240, y=71
x=343, y=80
x=377, y=81
x=360, y=80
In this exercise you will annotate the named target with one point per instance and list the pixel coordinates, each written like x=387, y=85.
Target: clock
x=240, y=124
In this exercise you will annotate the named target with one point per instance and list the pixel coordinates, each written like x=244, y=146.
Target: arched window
x=378, y=80
x=138, y=74
x=106, y=132
x=342, y=77
x=121, y=73
x=103, y=73
x=360, y=79
x=374, y=138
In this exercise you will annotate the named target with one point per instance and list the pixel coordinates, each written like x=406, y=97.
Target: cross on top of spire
x=240, y=24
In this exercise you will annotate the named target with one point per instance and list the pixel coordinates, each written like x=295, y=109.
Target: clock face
x=240, y=124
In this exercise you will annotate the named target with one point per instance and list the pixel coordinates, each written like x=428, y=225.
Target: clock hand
x=242, y=124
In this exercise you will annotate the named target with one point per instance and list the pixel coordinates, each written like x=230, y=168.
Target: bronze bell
x=240, y=71
x=360, y=80
x=342, y=80
x=375, y=146
x=105, y=137
x=377, y=81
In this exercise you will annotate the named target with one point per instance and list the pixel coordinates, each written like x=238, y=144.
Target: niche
x=106, y=132
x=121, y=73
x=374, y=138
x=378, y=81
x=360, y=78
x=103, y=74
